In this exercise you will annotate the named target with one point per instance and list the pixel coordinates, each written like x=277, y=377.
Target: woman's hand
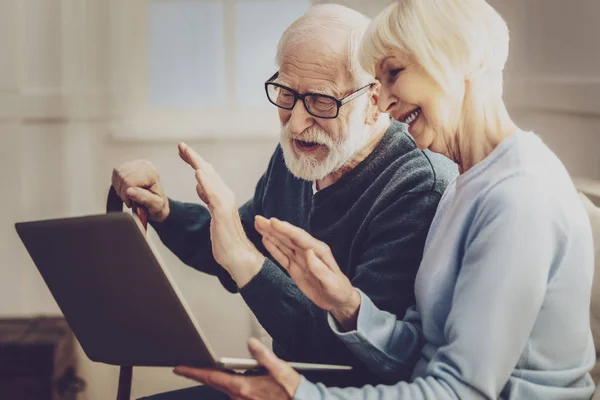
x=281, y=382
x=312, y=266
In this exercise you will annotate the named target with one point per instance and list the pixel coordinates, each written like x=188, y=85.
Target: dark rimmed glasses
x=317, y=105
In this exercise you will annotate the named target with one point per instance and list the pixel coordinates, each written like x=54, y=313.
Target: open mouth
x=412, y=117
x=306, y=146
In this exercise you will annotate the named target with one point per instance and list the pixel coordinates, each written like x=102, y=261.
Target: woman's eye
x=393, y=74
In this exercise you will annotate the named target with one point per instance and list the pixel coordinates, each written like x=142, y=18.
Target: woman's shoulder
x=548, y=199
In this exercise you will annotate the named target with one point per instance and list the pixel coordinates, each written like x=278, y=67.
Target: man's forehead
x=317, y=72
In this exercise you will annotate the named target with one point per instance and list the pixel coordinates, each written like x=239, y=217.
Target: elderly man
x=343, y=172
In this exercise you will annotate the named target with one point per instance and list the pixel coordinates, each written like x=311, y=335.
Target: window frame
x=135, y=118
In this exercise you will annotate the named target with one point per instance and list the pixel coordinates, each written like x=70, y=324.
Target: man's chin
x=303, y=167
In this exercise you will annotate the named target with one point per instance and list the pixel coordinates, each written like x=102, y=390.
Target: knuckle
x=127, y=183
x=148, y=166
x=118, y=174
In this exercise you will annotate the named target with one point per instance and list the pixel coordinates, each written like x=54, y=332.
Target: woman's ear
x=373, y=104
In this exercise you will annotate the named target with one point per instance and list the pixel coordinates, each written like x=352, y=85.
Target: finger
x=316, y=266
x=219, y=380
x=282, y=247
x=117, y=183
x=278, y=369
x=152, y=202
x=294, y=253
x=192, y=158
x=285, y=240
x=298, y=236
x=301, y=239
x=262, y=225
x=295, y=256
x=202, y=194
x=277, y=254
x=211, y=188
x=135, y=174
x=205, y=187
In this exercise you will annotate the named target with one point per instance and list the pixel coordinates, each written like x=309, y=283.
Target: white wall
x=56, y=159
x=56, y=151
x=553, y=76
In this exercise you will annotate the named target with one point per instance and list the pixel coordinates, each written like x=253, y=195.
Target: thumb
x=152, y=202
x=278, y=369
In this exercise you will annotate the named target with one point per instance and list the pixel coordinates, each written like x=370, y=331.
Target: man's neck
x=378, y=130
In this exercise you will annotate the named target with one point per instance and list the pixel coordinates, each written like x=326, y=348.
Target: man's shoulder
x=411, y=169
x=442, y=169
x=420, y=171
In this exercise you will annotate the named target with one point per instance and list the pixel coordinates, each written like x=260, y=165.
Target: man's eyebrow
x=280, y=81
x=322, y=90
x=314, y=89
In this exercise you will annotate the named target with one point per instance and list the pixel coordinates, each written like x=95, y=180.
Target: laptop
x=118, y=298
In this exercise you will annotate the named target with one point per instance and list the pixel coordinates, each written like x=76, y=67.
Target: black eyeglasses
x=317, y=105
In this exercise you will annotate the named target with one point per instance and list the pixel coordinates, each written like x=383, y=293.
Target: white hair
x=451, y=39
x=318, y=23
x=340, y=151
x=455, y=41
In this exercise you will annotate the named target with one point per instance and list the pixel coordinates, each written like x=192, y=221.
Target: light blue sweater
x=502, y=293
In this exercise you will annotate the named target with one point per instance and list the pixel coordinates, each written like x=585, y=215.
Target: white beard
x=340, y=152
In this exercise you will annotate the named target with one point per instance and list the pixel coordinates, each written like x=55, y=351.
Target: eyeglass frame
x=339, y=102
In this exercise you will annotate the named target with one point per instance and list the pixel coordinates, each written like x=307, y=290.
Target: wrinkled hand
x=312, y=266
x=230, y=245
x=138, y=181
x=281, y=382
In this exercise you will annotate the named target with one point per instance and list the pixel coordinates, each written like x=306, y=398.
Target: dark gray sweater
x=375, y=220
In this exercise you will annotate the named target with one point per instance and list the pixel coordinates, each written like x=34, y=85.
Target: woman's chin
x=422, y=142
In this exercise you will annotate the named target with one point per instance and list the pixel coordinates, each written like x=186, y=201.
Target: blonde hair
x=454, y=41
x=321, y=20
x=450, y=39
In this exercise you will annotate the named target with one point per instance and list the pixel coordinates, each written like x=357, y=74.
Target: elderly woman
x=503, y=290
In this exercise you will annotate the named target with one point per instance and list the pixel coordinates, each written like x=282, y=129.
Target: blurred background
x=88, y=84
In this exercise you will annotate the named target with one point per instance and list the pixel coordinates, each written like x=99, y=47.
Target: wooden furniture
x=37, y=360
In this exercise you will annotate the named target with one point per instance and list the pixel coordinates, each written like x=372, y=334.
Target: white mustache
x=313, y=134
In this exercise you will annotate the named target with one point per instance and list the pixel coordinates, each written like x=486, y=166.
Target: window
x=196, y=68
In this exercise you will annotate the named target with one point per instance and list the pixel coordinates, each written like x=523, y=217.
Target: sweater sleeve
x=511, y=247
x=385, y=271
x=385, y=344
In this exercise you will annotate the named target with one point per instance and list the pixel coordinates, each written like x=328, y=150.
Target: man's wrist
x=347, y=315
x=163, y=214
x=247, y=268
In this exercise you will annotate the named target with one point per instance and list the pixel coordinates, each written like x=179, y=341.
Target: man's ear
x=373, y=112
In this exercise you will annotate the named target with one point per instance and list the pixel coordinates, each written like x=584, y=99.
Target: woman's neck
x=474, y=144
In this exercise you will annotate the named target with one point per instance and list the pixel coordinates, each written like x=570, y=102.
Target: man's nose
x=300, y=119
